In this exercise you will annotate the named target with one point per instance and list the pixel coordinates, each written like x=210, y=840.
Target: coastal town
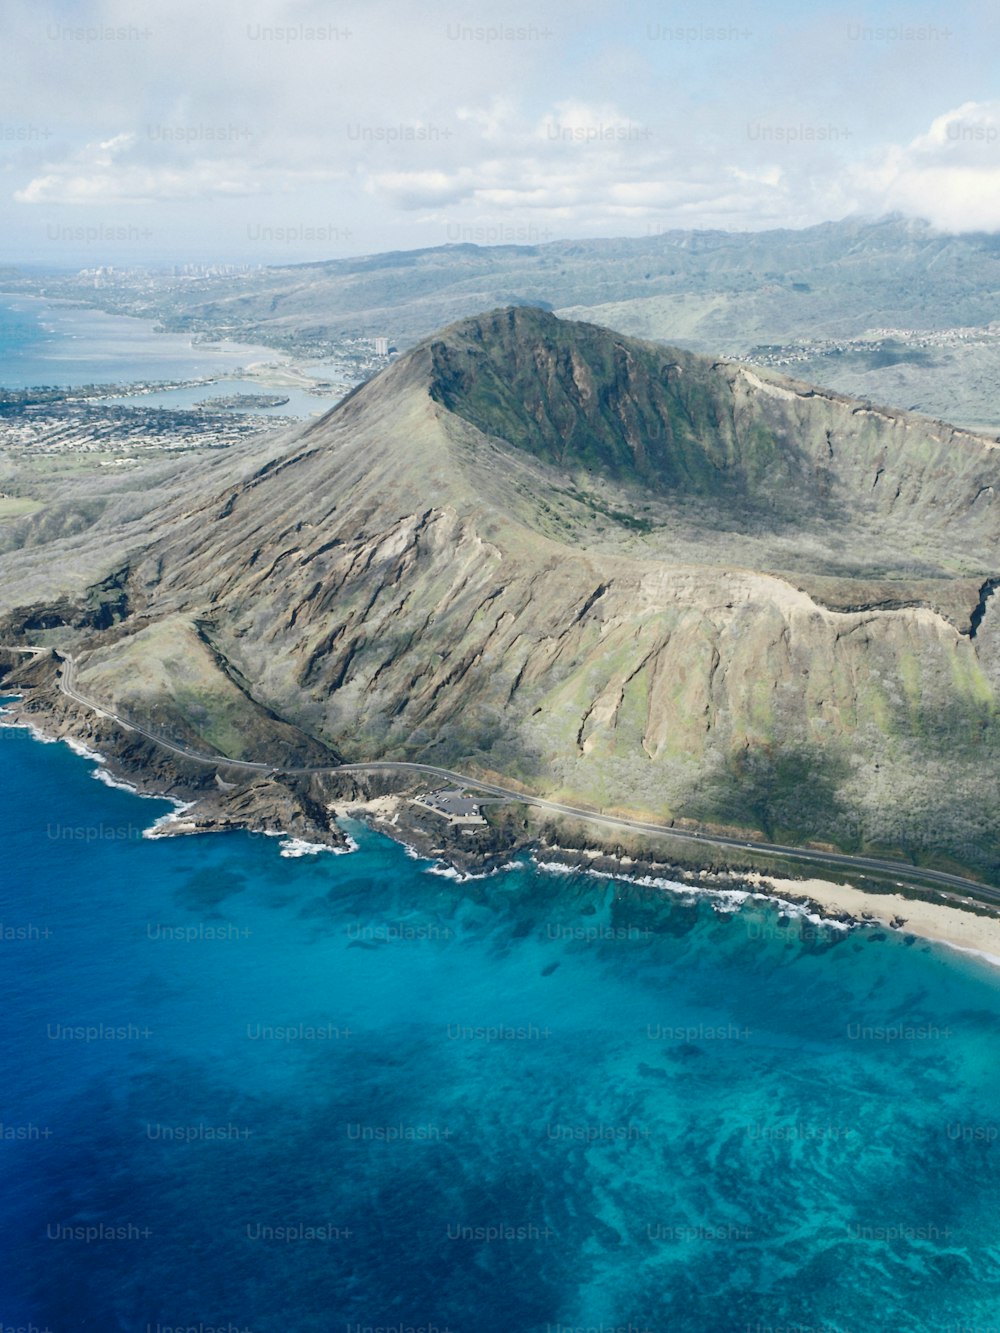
x=92, y=419
x=78, y=425
x=882, y=345
x=173, y=298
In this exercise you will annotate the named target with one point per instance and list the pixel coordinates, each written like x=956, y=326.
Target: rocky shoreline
x=215, y=798
x=218, y=798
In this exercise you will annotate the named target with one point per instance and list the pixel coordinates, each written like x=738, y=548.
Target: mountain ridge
x=820, y=298
x=397, y=580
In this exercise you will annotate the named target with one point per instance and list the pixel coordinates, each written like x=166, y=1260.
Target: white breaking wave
x=102, y=775
x=84, y=751
x=291, y=846
x=159, y=827
x=32, y=730
x=452, y=872
x=990, y=958
x=726, y=901
x=299, y=847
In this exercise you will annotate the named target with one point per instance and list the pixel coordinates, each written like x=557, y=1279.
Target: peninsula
x=618, y=578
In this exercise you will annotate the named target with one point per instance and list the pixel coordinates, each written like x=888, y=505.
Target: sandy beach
x=281, y=375
x=974, y=931
x=969, y=931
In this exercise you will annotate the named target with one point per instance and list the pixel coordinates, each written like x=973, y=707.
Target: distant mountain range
x=621, y=574
x=818, y=301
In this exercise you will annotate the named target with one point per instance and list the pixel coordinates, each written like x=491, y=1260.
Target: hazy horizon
x=274, y=133
x=166, y=263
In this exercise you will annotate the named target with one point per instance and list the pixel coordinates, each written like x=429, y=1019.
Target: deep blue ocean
x=249, y=1092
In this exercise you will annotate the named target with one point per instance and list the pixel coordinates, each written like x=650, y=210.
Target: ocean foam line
x=644, y=881
x=730, y=901
x=735, y=898
x=723, y=901
x=990, y=958
x=446, y=871
x=158, y=826
x=299, y=847
x=293, y=847
x=32, y=730
x=102, y=775
x=84, y=751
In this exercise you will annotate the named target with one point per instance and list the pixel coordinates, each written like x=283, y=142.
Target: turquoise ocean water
x=253, y=1092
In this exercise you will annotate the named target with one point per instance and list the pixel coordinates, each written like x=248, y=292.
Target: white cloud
x=949, y=175
x=587, y=128
x=111, y=172
x=421, y=189
x=132, y=185
x=119, y=170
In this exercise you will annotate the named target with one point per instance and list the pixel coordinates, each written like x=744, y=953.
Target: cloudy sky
x=258, y=131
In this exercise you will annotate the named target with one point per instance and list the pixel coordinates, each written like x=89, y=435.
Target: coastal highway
x=904, y=874
x=67, y=685
x=902, y=871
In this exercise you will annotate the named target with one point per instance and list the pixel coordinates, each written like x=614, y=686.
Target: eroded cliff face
x=623, y=684
x=615, y=573
x=742, y=451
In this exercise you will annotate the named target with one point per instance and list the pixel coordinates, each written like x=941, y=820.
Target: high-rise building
x=381, y=346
